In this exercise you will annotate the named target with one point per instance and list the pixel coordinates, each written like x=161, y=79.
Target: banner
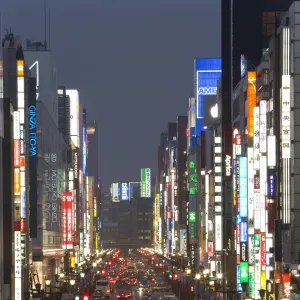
x=67, y=220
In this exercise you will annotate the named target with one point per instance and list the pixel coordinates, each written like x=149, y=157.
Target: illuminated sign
x=17, y=183
x=16, y=125
x=146, y=183
x=244, y=269
x=218, y=233
x=251, y=102
x=244, y=232
x=207, y=90
x=66, y=222
x=18, y=265
x=124, y=191
x=243, y=65
x=115, y=192
x=250, y=189
x=244, y=252
x=286, y=117
x=75, y=162
x=16, y=153
x=32, y=129
x=243, y=201
x=271, y=184
x=84, y=150
x=228, y=166
x=22, y=136
x=192, y=216
x=286, y=285
x=251, y=250
x=263, y=126
x=74, y=116
x=238, y=276
x=207, y=73
x=256, y=141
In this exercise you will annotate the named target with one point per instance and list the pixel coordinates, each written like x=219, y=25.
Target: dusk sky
x=132, y=62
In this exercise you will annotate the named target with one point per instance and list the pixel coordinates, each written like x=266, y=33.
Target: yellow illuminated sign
x=20, y=68
x=17, y=189
x=251, y=102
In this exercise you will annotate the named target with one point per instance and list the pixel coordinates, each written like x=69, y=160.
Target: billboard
x=66, y=222
x=124, y=191
x=74, y=116
x=218, y=233
x=207, y=73
x=251, y=102
x=146, y=183
x=114, y=191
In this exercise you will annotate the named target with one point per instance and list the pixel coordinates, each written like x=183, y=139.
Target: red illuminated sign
x=23, y=225
x=67, y=220
x=286, y=285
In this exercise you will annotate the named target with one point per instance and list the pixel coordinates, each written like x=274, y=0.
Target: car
x=122, y=295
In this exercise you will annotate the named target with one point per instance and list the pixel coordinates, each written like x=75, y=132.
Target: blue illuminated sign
x=169, y=235
x=32, y=130
x=238, y=276
x=271, y=184
x=207, y=73
x=243, y=203
x=244, y=232
x=22, y=133
x=238, y=219
x=23, y=205
x=124, y=191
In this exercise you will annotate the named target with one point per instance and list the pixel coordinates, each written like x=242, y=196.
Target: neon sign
x=32, y=130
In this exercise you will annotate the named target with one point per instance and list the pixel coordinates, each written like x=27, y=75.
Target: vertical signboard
x=32, y=142
x=124, y=192
x=263, y=126
x=256, y=142
x=66, y=221
x=207, y=73
x=146, y=183
x=250, y=190
x=243, y=201
x=218, y=233
x=18, y=266
x=251, y=102
x=115, y=192
x=74, y=116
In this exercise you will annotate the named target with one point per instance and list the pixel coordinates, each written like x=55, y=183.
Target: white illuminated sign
x=148, y=182
x=74, y=116
x=286, y=117
x=228, y=166
x=256, y=145
x=16, y=125
x=250, y=190
x=218, y=169
x=263, y=126
x=262, y=185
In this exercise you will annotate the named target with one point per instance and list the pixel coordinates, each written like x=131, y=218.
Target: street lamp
x=219, y=275
x=197, y=276
x=48, y=282
x=188, y=271
x=61, y=275
x=94, y=264
x=72, y=282
x=206, y=271
x=82, y=275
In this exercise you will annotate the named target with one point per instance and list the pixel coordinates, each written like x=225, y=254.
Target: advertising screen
x=74, y=116
x=124, y=191
x=207, y=73
x=146, y=183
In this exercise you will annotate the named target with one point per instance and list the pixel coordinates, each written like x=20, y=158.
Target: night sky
x=132, y=62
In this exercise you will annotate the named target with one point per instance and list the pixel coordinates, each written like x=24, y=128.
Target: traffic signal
x=153, y=258
x=109, y=263
x=175, y=276
x=86, y=297
x=103, y=272
x=160, y=265
x=77, y=297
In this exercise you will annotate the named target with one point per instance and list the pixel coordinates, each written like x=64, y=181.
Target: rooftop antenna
x=49, y=27
x=45, y=25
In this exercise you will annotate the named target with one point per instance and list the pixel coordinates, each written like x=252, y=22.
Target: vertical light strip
x=207, y=193
x=286, y=126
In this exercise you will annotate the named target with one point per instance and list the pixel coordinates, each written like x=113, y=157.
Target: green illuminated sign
x=193, y=178
x=244, y=269
x=256, y=240
x=192, y=228
x=192, y=216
